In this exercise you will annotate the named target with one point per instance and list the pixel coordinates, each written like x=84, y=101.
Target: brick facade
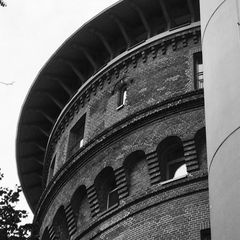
x=137, y=181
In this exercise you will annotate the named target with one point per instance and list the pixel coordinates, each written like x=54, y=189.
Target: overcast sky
x=30, y=32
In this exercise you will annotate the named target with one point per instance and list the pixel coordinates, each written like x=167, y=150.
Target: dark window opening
x=198, y=70
x=106, y=189
x=76, y=138
x=206, y=234
x=200, y=143
x=171, y=159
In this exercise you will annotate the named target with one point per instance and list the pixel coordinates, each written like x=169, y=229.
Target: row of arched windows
x=170, y=163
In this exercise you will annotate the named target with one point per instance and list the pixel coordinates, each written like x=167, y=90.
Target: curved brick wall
x=147, y=205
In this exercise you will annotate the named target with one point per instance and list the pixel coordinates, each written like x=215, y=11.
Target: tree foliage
x=2, y=3
x=10, y=217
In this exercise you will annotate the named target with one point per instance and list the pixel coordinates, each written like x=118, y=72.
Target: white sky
x=30, y=32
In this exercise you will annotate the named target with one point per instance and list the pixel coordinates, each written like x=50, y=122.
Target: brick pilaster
x=93, y=200
x=71, y=220
x=121, y=183
x=52, y=233
x=190, y=154
x=153, y=167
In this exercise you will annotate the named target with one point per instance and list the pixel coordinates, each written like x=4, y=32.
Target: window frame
x=114, y=191
x=122, y=97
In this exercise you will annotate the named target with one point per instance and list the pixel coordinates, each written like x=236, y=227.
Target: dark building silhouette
x=111, y=138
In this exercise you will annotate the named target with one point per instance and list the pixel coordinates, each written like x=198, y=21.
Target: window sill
x=174, y=179
x=120, y=107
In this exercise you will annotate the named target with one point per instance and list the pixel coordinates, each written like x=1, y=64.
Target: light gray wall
x=221, y=58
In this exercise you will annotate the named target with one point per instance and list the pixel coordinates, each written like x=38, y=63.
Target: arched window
x=106, y=189
x=80, y=205
x=136, y=172
x=45, y=235
x=200, y=142
x=60, y=225
x=171, y=158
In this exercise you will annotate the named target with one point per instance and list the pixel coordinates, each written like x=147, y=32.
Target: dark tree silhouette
x=2, y=3
x=10, y=217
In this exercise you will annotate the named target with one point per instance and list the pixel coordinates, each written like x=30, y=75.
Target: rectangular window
x=76, y=138
x=198, y=70
x=122, y=96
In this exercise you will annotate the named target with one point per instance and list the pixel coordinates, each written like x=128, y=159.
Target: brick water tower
x=111, y=137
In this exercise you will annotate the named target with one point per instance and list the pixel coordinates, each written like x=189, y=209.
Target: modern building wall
x=221, y=58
